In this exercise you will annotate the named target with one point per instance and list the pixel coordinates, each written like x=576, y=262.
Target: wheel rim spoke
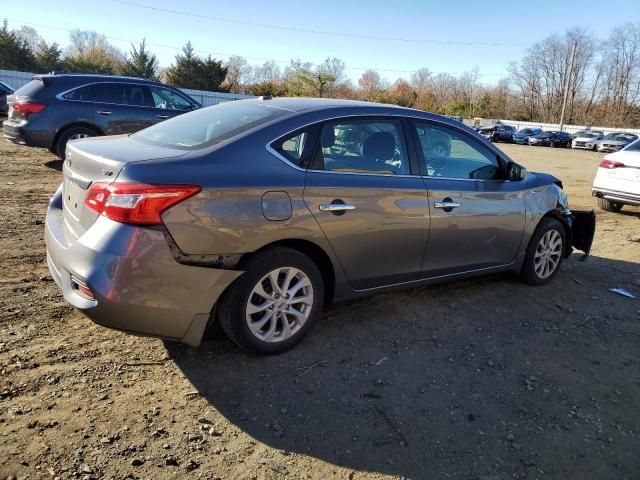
x=279, y=304
x=548, y=254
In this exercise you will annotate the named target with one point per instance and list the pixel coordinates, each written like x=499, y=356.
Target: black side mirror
x=516, y=172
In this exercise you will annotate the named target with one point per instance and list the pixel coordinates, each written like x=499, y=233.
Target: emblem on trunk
x=108, y=173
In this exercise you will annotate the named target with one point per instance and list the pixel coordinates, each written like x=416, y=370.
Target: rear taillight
x=611, y=164
x=26, y=108
x=137, y=203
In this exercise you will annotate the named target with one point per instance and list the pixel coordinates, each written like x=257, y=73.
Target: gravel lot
x=479, y=379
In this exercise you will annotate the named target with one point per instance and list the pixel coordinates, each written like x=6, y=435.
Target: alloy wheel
x=548, y=254
x=279, y=304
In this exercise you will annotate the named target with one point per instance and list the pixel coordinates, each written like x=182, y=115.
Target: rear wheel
x=275, y=303
x=545, y=252
x=72, y=133
x=609, y=206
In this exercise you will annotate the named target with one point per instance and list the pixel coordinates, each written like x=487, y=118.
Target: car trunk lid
x=99, y=159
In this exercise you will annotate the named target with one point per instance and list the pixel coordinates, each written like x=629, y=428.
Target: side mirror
x=516, y=172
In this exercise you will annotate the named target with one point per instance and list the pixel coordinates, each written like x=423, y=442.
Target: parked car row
x=583, y=139
x=53, y=109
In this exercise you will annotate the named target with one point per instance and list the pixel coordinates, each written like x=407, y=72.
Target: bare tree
x=238, y=73
x=369, y=84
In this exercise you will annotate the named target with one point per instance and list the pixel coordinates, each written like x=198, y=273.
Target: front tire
x=544, y=253
x=609, y=206
x=274, y=305
x=72, y=133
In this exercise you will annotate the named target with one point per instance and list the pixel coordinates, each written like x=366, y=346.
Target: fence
x=205, y=98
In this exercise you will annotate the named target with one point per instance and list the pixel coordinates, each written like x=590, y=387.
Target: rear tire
x=72, y=133
x=609, y=206
x=544, y=253
x=266, y=319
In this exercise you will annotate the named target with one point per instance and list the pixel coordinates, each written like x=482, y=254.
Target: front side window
x=363, y=146
x=207, y=126
x=452, y=154
x=122, y=94
x=169, y=100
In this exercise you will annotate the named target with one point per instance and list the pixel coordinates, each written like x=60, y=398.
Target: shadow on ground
x=476, y=378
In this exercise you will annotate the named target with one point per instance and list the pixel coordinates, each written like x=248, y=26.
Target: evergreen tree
x=184, y=72
x=49, y=57
x=141, y=63
x=211, y=74
x=15, y=53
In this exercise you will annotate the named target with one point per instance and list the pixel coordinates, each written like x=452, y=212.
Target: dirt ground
x=481, y=379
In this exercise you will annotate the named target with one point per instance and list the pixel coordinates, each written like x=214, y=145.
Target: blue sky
x=512, y=23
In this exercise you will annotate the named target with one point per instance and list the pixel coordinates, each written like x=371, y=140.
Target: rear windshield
x=635, y=146
x=208, y=126
x=30, y=89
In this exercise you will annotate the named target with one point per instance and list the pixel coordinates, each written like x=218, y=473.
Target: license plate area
x=73, y=198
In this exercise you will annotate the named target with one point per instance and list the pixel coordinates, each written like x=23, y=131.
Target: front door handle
x=447, y=204
x=336, y=207
x=104, y=112
x=162, y=116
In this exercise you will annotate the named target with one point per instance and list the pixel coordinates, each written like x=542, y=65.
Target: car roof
x=91, y=77
x=347, y=107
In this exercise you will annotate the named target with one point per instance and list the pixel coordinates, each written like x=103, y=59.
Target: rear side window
x=122, y=94
x=80, y=94
x=297, y=147
x=30, y=89
x=208, y=126
x=363, y=146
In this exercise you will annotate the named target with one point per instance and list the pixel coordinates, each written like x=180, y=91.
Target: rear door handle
x=104, y=112
x=336, y=207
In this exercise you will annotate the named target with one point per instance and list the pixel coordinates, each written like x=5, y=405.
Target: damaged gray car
x=259, y=213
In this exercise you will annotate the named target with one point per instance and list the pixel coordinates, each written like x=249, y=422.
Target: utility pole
x=567, y=82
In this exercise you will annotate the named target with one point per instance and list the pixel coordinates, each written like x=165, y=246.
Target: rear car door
x=373, y=211
x=122, y=107
x=168, y=103
x=477, y=219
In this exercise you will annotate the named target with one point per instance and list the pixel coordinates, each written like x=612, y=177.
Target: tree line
x=602, y=79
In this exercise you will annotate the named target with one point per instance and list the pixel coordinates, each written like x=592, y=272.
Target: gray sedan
x=259, y=213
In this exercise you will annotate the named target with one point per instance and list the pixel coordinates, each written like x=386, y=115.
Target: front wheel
x=609, y=206
x=275, y=303
x=545, y=252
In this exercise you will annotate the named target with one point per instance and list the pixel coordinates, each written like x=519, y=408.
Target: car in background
x=613, y=142
x=521, y=137
x=5, y=91
x=498, y=133
x=617, y=181
x=586, y=130
x=586, y=140
x=261, y=212
x=551, y=139
x=51, y=110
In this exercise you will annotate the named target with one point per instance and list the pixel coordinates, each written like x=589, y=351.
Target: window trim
x=60, y=96
x=422, y=162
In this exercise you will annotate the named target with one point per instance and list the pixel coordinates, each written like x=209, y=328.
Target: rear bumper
x=20, y=135
x=138, y=285
x=616, y=196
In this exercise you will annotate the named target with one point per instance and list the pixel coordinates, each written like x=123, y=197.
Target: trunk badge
x=108, y=173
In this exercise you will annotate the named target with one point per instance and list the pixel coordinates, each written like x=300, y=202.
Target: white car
x=587, y=140
x=617, y=181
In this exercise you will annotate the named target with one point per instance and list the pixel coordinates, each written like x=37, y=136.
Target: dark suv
x=498, y=133
x=5, y=91
x=53, y=109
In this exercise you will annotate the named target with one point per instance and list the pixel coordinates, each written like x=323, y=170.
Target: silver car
x=258, y=213
x=613, y=142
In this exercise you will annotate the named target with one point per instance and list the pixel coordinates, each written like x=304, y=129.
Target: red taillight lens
x=138, y=203
x=611, y=164
x=27, y=108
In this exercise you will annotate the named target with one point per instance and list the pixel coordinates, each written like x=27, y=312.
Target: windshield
x=587, y=135
x=205, y=127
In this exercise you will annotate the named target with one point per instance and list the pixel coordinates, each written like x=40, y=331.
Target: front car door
x=168, y=103
x=477, y=218
x=122, y=107
x=372, y=209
